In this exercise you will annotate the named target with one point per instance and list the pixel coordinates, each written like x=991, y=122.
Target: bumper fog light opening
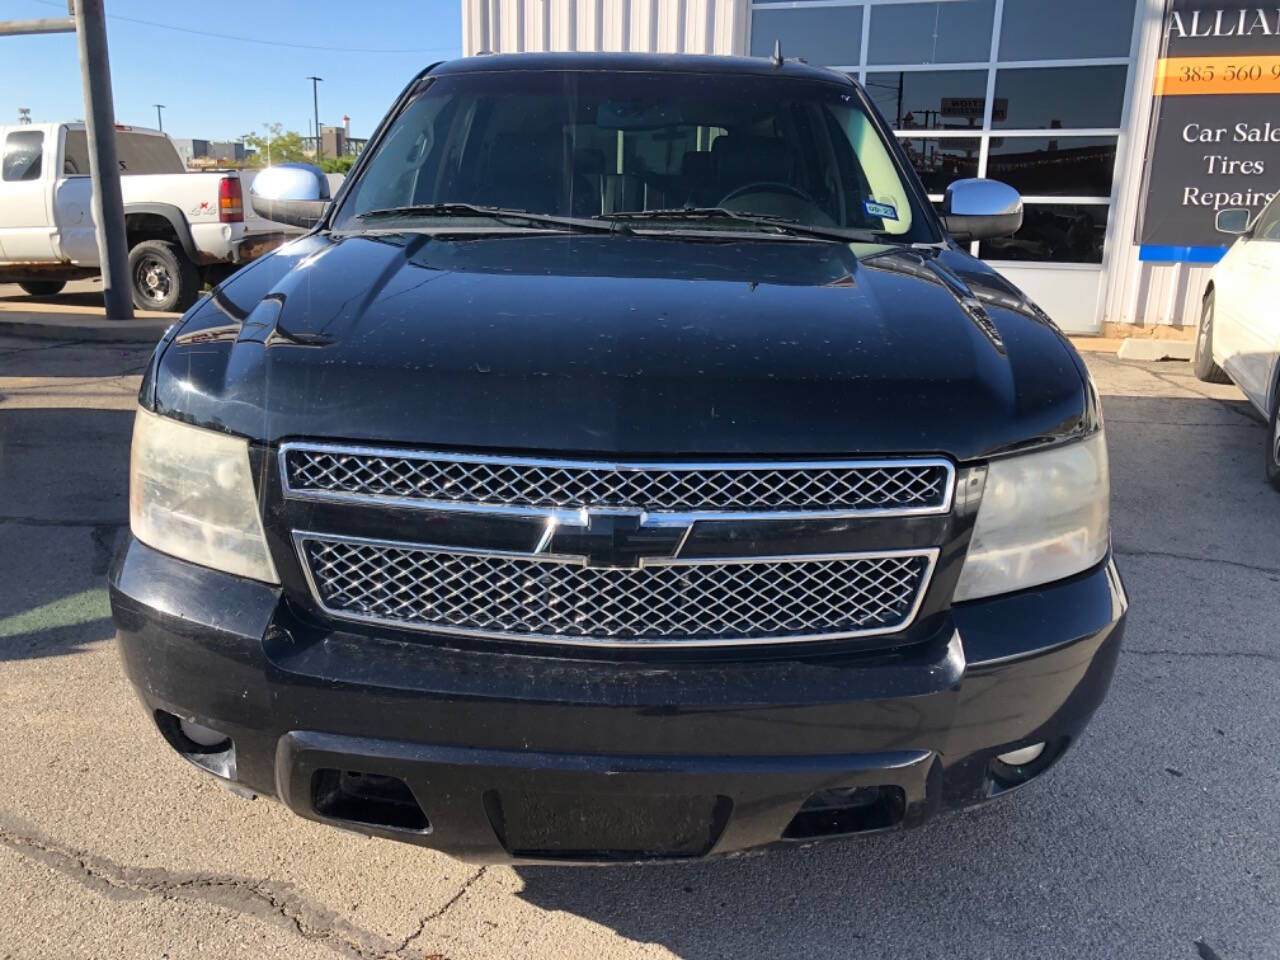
x=843, y=811
x=209, y=749
x=201, y=735
x=367, y=799
x=1033, y=760
x=1022, y=756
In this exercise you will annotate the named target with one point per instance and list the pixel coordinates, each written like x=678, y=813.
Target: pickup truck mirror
x=980, y=209
x=293, y=193
x=1234, y=222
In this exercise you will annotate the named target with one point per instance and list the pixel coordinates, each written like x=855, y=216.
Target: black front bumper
x=533, y=755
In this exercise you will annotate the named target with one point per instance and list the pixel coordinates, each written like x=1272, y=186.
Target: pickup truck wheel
x=1203, y=364
x=161, y=276
x=43, y=288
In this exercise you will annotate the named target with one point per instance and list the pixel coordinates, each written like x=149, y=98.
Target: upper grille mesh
x=918, y=486
x=729, y=601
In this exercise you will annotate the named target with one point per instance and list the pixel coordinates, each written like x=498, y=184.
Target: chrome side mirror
x=1234, y=222
x=981, y=209
x=292, y=193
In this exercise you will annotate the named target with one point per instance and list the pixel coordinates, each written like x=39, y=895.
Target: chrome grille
x=460, y=480
x=729, y=601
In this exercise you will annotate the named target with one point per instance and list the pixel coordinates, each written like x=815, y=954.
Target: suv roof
x=640, y=62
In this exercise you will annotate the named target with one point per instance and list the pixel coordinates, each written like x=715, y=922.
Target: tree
x=337, y=164
x=276, y=145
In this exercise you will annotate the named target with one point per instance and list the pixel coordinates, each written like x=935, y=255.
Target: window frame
x=986, y=131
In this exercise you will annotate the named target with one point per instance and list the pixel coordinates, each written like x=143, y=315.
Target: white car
x=183, y=229
x=1239, y=336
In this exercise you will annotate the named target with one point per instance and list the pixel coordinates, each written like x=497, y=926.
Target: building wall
x=669, y=26
x=1082, y=296
x=1146, y=294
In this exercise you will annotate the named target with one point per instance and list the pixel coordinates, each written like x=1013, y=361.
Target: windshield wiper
x=504, y=214
x=783, y=225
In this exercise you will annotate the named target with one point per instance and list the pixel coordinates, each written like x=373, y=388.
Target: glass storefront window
x=1060, y=97
x=929, y=99
x=941, y=161
x=1054, y=166
x=1059, y=232
x=952, y=32
x=932, y=40
x=831, y=36
x=1053, y=30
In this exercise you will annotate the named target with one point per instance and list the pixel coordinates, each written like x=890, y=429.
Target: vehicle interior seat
x=740, y=160
x=588, y=183
x=698, y=170
x=532, y=171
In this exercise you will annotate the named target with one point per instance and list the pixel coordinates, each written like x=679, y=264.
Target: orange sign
x=1191, y=76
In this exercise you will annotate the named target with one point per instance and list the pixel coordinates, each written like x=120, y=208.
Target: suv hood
x=616, y=344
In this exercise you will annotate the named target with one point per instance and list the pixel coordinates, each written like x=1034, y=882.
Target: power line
x=265, y=43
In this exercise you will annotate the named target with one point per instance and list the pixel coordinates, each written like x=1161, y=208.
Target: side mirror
x=292, y=193
x=981, y=209
x=1234, y=222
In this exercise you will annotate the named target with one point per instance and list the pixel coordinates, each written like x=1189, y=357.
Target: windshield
x=600, y=144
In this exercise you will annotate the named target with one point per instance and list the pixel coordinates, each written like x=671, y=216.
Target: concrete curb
x=97, y=329
x=1095, y=344
x=1135, y=348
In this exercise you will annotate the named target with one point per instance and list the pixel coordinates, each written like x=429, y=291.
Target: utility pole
x=87, y=20
x=159, y=118
x=104, y=165
x=315, y=106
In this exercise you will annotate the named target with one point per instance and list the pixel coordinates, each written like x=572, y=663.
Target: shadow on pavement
x=63, y=507
x=1153, y=832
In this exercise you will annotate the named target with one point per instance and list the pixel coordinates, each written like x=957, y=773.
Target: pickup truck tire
x=1203, y=365
x=161, y=277
x=42, y=288
x=1273, y=441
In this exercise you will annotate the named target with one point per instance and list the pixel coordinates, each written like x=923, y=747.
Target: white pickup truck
x=183, y=228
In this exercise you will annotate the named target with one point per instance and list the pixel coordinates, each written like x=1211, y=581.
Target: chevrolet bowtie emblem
x=614, y=539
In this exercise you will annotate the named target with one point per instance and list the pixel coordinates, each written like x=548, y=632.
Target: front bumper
x=530, y=755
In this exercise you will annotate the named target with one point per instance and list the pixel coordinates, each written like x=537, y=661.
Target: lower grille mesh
x=433, y=588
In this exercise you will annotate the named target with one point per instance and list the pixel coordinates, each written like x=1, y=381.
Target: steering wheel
x=765, y=186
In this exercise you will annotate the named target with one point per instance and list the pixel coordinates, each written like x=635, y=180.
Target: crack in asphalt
x=53, y=522
x=440, y=911
x=1206, y=654
x=1168, y=555
x=279, y=903
x=58, y=345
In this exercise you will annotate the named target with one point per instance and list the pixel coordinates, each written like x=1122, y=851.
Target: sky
x=217, y=88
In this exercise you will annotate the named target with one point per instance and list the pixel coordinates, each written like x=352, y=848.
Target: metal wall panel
x=1146, y=294
x=666, y=26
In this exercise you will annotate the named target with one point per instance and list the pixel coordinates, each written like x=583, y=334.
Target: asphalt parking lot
x=1162, y=827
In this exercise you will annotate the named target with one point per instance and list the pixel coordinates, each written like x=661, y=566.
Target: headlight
x=191, y=496
x=1044, y=516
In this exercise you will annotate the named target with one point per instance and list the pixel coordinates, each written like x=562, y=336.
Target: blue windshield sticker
x=884, y=211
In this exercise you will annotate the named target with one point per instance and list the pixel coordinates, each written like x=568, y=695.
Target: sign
x=1215, y=131
x=974, y=107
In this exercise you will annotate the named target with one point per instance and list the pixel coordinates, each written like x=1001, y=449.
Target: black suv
x=628, y=464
